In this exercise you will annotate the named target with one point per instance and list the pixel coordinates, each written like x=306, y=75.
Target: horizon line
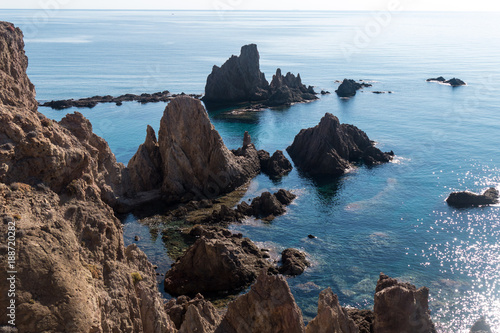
x=260, y=10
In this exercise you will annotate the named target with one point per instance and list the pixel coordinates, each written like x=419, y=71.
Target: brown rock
x=145, y=166
x=363, y=319
x=193, y=315
x=329, y=148
x=269, y=306
x=331, y=318
x=267, y=206
x=400, y=307
x=221, y=263
x=293, y=262
x=275, y=166
x=196, y=163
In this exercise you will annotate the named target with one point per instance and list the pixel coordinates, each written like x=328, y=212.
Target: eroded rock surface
x=275, y=166
x=293, y=262
x=269, y=306
x=401, y=307
x=329, y=148
x=217, y=262
x=331, y=318
x=193, y=315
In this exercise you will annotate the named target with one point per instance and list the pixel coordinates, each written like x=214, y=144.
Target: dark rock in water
x=267, y=206
x=348, y=88
x=239, y=80
x=469, y=199
x=269, y=306
x=217, y=262
x=401, y=307
x=224, y=215
x=455, y=82
x=294, y=262
x=363, y=319
x=480, y=326
x=324, y=92
x=329, y=148
x=284, y=196
x=331, y=316
x=275, y=166
x=311, y=236
x=438, y=79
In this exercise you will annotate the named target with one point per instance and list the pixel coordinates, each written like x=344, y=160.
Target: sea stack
x=329, y=148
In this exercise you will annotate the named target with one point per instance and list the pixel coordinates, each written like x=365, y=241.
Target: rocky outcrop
x=145, y=167
x=73, y=272
x=363, y=319
x=480, y=326
x=195, y=315
x=349, y=87
x=329, y=148
x=90, y=102
x=194, y=162
x=269, y=306
x=239, y=80
x=401, y=307
x=331, y=318
x=275, y=166
x=454, y=82
x=293, y=262
x=217, y=262
x=469, y=199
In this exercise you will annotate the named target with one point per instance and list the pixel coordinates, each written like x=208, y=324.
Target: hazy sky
x=437, y=5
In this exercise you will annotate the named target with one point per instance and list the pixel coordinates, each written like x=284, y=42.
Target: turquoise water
x=390, y=218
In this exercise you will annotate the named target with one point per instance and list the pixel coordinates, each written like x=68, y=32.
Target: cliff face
x=73, y=272
x=190, y=159
x=329, y=148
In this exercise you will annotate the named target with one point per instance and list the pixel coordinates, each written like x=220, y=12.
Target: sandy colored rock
x=401, y=307
x=269, y=307
x=331, y=318
x=195, y=162
x=217, y=262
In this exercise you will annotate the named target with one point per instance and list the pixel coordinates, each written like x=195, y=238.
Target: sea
x=391, y=218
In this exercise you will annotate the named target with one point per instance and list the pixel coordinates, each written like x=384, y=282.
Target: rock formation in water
x=293, y=262
x=73, y=272
x=195, y=163
x=401, y=307
x=329, y=148
x=269, y=306
x=454, y=82
x=275, y=166
x=348, y=88
x=331, y=318
x=469, y=199
x=217, y=262
x=480, y=326
x=239, y=80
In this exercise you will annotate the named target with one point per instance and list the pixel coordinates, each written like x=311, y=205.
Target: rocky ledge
x=469, y=199
x=90, y=102
x=329, y=148
x=452, y=82
x=240, y=81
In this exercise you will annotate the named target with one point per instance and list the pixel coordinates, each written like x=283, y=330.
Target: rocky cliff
x=73, y=272
x=239, y=80
x=189, y=161
x=329, y=148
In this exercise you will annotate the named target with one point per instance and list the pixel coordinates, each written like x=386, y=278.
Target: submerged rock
x=293, y=262
x=480, y=326
x=329, y=148
x=401, y=307
x=331, y=316
x=218, y=262
x=269, y=306
x=469, y=199
x=239, y=80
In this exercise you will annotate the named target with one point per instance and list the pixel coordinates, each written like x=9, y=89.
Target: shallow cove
x=390, y=218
